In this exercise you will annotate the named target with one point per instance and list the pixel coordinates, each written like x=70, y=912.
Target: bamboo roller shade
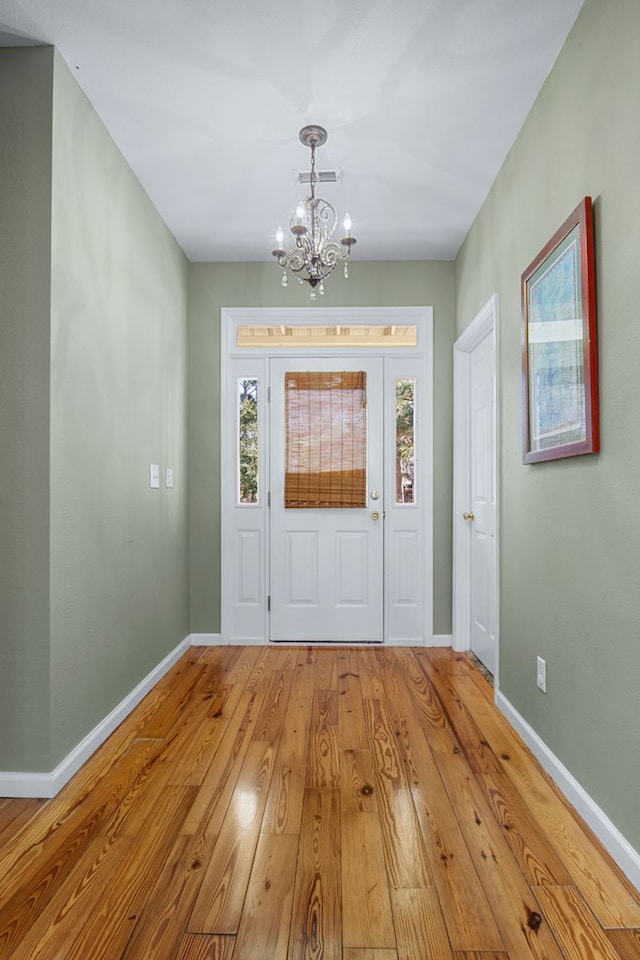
x=326, y=439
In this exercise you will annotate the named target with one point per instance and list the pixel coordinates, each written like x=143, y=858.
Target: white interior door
x=483, y=505
x=326, y=562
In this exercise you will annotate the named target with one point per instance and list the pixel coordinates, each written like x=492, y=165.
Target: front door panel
x=326, y=449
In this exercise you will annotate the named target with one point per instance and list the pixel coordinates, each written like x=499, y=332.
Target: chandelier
x=312, y=226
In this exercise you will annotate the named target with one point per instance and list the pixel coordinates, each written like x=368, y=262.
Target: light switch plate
x=154, y=476
x=169, y=477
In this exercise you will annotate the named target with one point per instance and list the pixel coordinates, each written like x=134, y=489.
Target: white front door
x=326, y=515
x=483, y=505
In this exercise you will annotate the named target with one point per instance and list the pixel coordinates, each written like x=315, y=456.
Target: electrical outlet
x=541, y=674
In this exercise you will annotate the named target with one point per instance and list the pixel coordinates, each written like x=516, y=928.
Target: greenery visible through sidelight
x=248, y=441
x=405, y=434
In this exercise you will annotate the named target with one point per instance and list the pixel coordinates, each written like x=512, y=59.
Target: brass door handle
x=468, y=516
x=375, y=515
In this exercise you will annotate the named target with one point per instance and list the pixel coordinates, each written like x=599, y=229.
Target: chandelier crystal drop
x=315, y=254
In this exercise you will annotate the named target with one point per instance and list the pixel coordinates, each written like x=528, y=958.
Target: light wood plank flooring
x=304, y=803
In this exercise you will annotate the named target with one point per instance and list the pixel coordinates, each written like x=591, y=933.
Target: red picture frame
x=559, y=347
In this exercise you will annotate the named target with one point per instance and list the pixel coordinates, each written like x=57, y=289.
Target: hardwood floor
x=311, y=804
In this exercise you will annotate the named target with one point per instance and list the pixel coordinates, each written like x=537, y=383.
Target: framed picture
x=559, y=353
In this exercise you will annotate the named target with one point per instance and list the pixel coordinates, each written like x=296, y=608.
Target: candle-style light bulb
x=279, y=238
x=347, y=224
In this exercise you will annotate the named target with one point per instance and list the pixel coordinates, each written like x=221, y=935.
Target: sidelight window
x=247, y=441
x=405, y=440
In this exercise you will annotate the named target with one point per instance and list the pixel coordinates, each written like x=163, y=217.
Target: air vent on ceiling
x=323, y=176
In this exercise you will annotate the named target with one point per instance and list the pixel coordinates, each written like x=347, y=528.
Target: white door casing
x=245, y=528
x=326, y=579
x=475, y=541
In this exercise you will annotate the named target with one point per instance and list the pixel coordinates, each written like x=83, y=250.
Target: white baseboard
x=627, y=858
x=441, y=640
x=215, y=640
x=205, y=639
x=47, y=785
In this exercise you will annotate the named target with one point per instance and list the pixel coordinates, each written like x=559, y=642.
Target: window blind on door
x=326, y=439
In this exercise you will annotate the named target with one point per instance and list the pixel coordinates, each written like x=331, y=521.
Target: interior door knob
x=468, y=516
x=375, y=515
x=374, y=495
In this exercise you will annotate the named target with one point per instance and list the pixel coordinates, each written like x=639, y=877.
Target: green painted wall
x=94, y=564
x=213, y=286
x=570, y=529
x=119, y=557
x=25, y=253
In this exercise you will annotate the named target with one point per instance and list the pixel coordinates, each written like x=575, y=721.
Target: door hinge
x=268, y=604
x=268, y=394
x=269, y=498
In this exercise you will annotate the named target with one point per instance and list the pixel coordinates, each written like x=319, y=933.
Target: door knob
x=375, y=515
x=374, y=495
x=468, y=516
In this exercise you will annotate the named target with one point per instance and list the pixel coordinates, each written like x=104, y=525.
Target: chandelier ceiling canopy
x=314, y=254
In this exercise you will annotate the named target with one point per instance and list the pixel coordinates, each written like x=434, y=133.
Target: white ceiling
x=422, y=100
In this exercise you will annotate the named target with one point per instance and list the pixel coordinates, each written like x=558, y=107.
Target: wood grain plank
x=512, y=903
x=283, y=812
x=401, y=837
x=476, y=748
x=294, y=741
x=217, y=662
x=15, y=815
x=573, y=924
x=468, y=916
x=536, y=855
x=266, y=916
x=181, y=698
x=42, y=868
x=59, y=814
x=107, y=929
x=366, y=903
x=52, y=931
x=322, y=763
x=203, y=947
x=218, y=785
x=351, y=723
x=479, y=955
x=160, y=926
x=193, y=753
x=357, y=782
x=420, y=928
x=243, y=668
x=268, y=725
x=327, y=669
x=370, y=675
x=224, y=885
x=261, y=671
x=625, y=942
x=594, y=874
x=316, y=927
x=368, y=953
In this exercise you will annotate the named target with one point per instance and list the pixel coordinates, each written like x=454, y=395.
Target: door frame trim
x=231, y=318
x=484, y=324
